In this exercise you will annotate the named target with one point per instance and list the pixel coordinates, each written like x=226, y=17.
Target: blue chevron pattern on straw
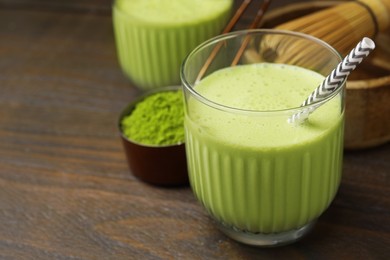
x=335, y=79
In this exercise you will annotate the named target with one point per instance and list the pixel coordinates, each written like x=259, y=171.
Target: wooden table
x=65, y=189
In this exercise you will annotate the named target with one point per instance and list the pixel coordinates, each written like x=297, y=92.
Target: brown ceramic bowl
x=157, y=165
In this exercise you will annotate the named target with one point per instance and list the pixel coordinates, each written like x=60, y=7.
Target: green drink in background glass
x=154, y=36
x=264, y=180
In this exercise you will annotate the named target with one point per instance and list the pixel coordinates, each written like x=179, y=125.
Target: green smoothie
x=253, y=170
x=154, y=36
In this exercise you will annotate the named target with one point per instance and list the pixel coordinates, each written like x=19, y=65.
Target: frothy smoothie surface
x=173, y=12
x=261, y=87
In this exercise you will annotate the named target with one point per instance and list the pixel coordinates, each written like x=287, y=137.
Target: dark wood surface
x=65, y=189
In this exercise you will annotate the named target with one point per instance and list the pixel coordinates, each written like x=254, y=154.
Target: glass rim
x=212, y=41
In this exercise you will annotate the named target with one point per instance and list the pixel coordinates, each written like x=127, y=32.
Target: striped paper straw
x=335, y=79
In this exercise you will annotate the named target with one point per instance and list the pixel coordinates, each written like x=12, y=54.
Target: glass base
x=266, y=240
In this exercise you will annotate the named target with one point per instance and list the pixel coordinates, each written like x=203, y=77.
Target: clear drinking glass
x=153, y=36
x=263, y=179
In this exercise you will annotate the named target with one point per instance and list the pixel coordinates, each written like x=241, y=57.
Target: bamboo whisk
x=343, y=25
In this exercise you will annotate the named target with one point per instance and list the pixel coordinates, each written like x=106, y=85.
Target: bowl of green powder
x=152, y=133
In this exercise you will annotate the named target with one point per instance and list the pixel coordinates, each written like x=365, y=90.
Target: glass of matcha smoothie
x=154, y=36
x=264, y=179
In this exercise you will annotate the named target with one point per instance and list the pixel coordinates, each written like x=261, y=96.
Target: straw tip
x=368, y=43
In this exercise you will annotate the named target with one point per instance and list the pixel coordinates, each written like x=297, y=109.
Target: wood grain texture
x=65, y=189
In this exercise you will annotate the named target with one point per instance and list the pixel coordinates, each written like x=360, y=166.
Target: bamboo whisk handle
x=343, y=25
x=381, y=10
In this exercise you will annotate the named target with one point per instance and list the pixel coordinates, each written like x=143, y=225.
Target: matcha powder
x=156, y=120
